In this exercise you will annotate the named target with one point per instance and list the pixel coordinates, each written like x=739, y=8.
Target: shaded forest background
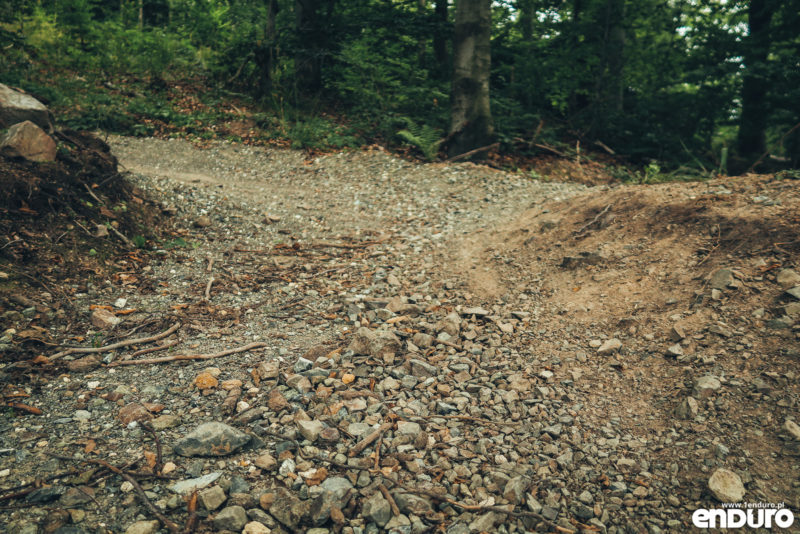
x=679, y=87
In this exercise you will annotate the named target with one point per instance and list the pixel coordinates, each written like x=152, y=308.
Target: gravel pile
x=377, y=394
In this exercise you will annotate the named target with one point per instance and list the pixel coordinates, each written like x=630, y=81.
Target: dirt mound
x=608, y=252
x=62, y=225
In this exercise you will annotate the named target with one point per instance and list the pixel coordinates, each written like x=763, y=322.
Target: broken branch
x=94, y=350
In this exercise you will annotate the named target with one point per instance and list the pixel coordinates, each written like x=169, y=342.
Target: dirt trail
x=540, y=356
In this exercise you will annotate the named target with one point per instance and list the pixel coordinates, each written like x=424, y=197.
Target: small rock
x=788, y=278
x=133, y=412
x=254, y=527
x=205, y=380
x=422, y=369
x=143, y=527
x=705, y=386
x=212, y=439
x=377, y=509
x=792, y=428
x=721, y=279
x=266, y=461
x=688, y=408
x=100, y=230
x=484, y=523
x=26, y=140
x=185, y=487
x=203, y=221
x=288, y=509
x=104, y=319
x=310, y=429
x=268, y=370
x=374, y=342
x=794, y=292
x=276, y=401
x=726, y=486
x=212, y=498
x=675, y=350
x=515, y=490
x=610, y=346
x=163, y=422
x=231, y=518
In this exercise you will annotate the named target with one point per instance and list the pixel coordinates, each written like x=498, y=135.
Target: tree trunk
x=751, y=141
x=308, y=62
x=471, y=119
x=265, y=51
x=440, y=39
x=141, y=14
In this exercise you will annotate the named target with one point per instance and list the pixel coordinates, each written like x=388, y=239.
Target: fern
x=426, y=138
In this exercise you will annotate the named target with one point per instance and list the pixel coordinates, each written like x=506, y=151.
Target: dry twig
x=180, y=357
x=95, y=350
x=364, y=443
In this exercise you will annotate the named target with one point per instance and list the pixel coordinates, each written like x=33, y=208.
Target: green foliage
x=319, y=133
x=426, y=138
x=139, y=241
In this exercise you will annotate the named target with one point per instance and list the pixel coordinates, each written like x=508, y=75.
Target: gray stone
x=408, y=428
x=721, y=279
x=232, y=518
x=422, y=369
x=184, y=487
x=726, y=486
x=412, y=504
x=212, y=439
x=16, y=107
x=477, y=311
x=705, y=386
x=484, y=523
x=377, y=509
x=794, y=291
x=302, y=365
x=586, y=497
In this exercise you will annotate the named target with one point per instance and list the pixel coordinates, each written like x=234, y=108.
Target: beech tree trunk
x=471, y=118
x=751, y=141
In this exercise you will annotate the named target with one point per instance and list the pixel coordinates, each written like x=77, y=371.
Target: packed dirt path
x=419, y=348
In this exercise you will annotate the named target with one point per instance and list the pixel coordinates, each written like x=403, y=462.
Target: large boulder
x=18, y=107
x=27, y=140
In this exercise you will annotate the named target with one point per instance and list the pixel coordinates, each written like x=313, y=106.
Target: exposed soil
x=464, y=312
